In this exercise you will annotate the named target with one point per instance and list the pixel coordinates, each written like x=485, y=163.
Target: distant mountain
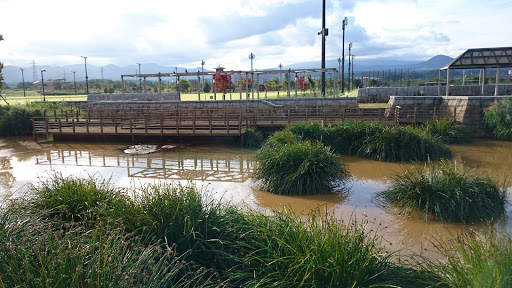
x=12, y=74
x=434, y=63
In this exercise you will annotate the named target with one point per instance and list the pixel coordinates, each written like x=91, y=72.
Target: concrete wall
x=133, y=97
x=465, y=109
x=382, y=94
x=280, y=102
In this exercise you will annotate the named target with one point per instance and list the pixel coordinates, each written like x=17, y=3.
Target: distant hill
x=12, y=74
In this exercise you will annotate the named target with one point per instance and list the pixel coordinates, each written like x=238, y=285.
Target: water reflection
x=181, y=164
x=226, y=172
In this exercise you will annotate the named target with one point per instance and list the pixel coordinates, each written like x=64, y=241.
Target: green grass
x=448, y=191
x=289, y=166
x=448, y=131
x=498, y=119
x=375, y=140
x=171, y=236
x=476, y=259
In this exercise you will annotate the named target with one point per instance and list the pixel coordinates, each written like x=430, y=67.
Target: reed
x=448, y=131
x=448, y=191
x=289, y=166
x=476, y=259
x=498, y=120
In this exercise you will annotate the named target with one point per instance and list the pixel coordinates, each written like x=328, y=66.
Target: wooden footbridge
x=179, y=121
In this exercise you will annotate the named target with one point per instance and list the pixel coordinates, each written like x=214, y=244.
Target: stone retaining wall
x=465, y=109
x=279, y=102
x=382, y=94
x=134, y=97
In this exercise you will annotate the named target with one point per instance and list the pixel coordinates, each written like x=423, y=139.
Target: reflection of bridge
x=179, y=165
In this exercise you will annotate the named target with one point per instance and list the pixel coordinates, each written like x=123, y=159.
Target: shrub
x=448, y=131
x=449, y=192
x=477, y=260
x=253, y=138
x=288, y=166
x=498, y=118
x=309, y=131
x=16, y=120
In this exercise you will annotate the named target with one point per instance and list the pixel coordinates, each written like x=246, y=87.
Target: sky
x=224, y=32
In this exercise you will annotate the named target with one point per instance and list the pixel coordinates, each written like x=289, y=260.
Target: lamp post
x=74, y=80
x=251, y=56
x=353, y=70
x=23, y=81
x=349, y=49
x=140, y=80
x=324, y=33
x=42, y=82
x=345, y=23
x=86, y=77
x=202, y=68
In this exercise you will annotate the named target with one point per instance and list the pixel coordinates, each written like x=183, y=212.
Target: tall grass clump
x=448, y=131
x=476, y=259
x=449, y=192
x=289, y=166
x=401, y=144
x=498, y=119
x=374, y=140
x=77, y=199
x=291, y=250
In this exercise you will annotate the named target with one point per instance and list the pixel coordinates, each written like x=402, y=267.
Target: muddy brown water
x=224, y=173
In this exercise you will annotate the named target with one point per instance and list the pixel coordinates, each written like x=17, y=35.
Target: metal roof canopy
x=198, y=74
x=481, y=58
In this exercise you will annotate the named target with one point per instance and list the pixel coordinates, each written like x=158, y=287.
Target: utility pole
x=345, y=23
x=353, y=70
x=202, y=67
x=349, y=49
x=324, y=33
x=23, y=81
x=251, y=56
x=42, y=82
x=86, y=77
x=74, y=80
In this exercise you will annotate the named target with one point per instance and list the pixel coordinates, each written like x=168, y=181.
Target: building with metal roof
x=481, y=58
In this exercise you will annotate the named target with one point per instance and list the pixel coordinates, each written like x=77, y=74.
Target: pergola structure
x=248, y=92
x=482, y=58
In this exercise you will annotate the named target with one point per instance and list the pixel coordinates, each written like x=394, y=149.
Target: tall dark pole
x=86, y=77
x=345, y=23
x=349, y=49
x=23, y=81
x=353, y=70
x=140, y=80
x=74, y=80
x=42, y=82
x=202, y=67
x=324, y=34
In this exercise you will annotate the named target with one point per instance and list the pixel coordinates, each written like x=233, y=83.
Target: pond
x=224, y=173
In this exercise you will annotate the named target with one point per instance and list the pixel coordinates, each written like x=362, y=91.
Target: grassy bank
x=70, y=232
x=498, y=120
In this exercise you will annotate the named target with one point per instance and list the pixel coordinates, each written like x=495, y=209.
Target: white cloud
x=181, y=33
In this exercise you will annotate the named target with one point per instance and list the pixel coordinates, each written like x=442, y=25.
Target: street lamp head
x=85, y=57
x=339, y=59
x=345, y=21
x=252, y=56
x=350, y=45
x=43, y=71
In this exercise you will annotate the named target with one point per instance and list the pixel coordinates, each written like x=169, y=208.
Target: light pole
x=86, y=77
x=74, y=80
x=324, y=33
x=251, y=56
x=349, y=49
x=202, y=68
x=42, y=82
x=353, y=70
x=140, y=80
x=339, y=70
x=23, y=81
x=345, y=23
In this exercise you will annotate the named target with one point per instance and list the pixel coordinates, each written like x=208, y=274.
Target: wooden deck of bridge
x=207, y=121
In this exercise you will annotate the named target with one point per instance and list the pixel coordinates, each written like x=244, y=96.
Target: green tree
x=273, y=83
x=207, y=87
x=311, y=82
x=184, y=85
